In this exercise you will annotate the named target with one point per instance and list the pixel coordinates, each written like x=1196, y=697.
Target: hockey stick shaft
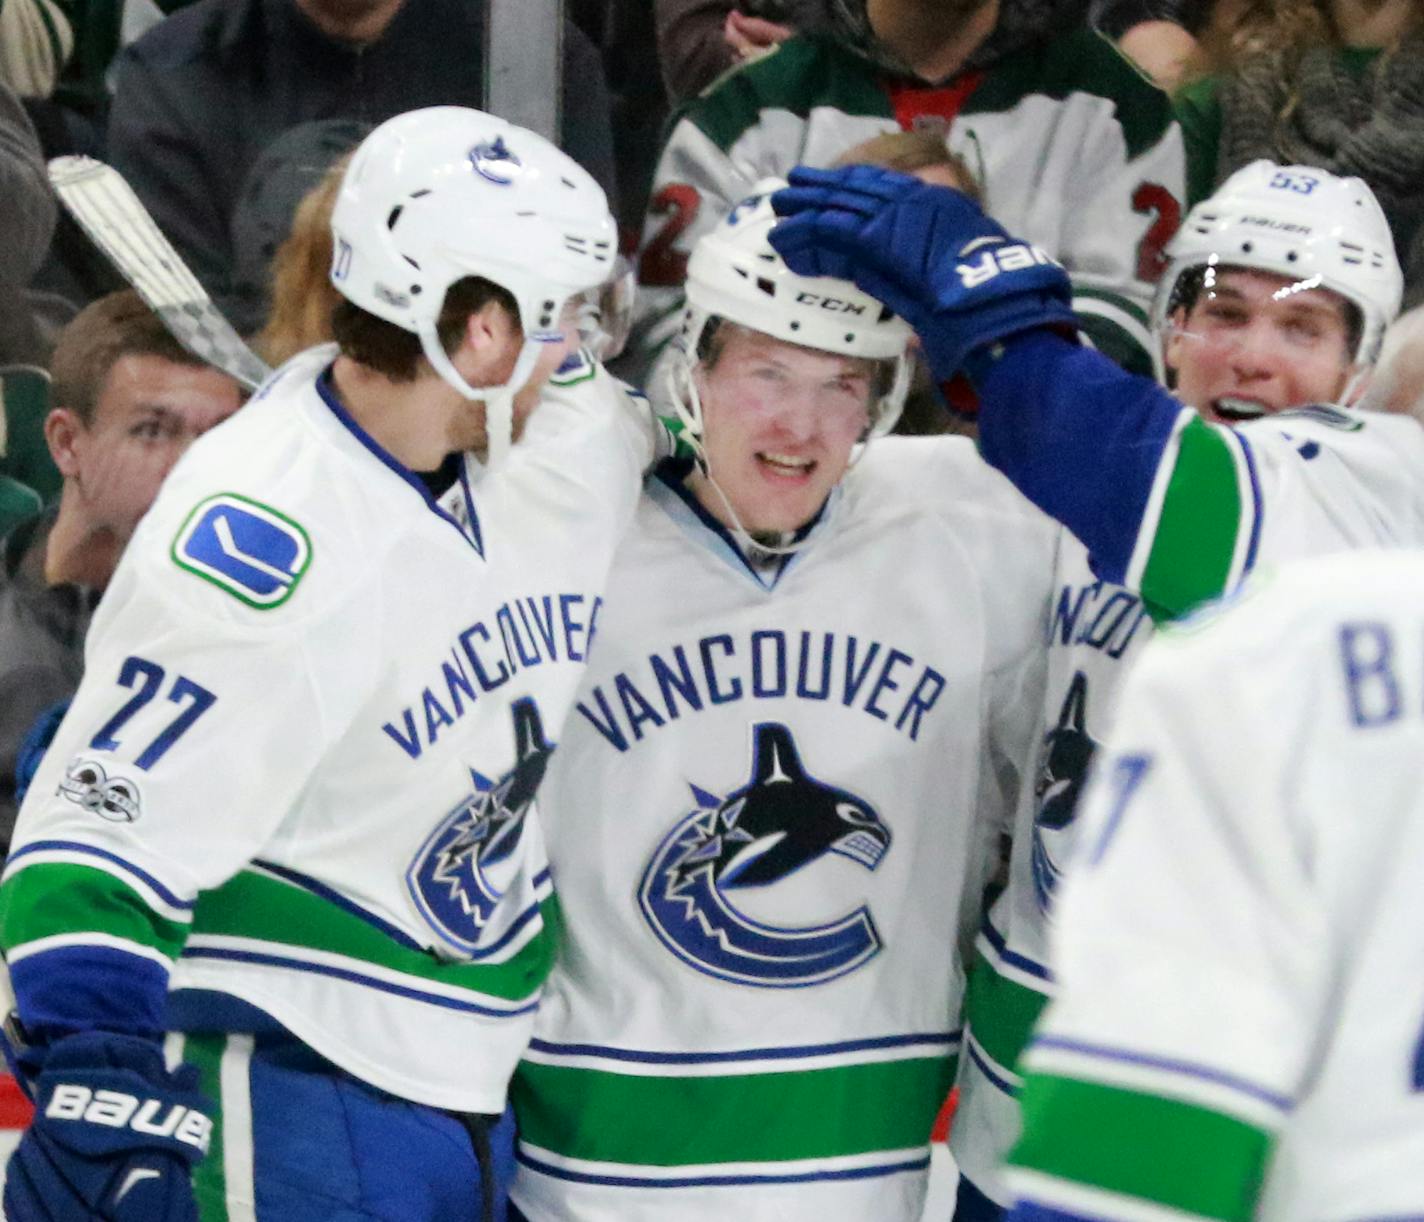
x=106, y=208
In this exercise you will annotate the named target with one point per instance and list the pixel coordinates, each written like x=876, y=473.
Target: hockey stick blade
x=104, y=204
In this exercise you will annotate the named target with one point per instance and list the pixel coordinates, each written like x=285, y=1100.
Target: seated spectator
x=27, y=219
x=698, y=40
x=202, y=95
x=1159, y=36
x=128, y=401
x=1073, y=148
x=1337, y=84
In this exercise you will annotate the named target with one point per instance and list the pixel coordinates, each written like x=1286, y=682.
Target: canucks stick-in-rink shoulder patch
x=782, y=820
x=249, y=549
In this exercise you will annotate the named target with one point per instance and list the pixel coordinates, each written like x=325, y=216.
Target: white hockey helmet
x=1295, y=221
x=435, y=195
x=734, y=275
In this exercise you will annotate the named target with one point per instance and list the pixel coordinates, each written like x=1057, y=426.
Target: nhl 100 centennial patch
x=252, y=551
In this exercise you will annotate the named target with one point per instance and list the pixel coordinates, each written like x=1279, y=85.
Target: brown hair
x=395, y=352
x=910, y=152
x=97, y=338
x=302, y=293
x=1274, y=31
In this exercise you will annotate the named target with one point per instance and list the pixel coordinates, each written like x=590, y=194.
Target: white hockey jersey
x=1238, y=1028
x=1301, y=483
x=769, y=818
x=299, y=769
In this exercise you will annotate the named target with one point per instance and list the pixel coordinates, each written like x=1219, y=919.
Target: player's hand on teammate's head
x=928, y=252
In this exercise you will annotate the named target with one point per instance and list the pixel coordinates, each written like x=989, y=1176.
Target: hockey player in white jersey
x=1276, y=294
x=770, y=812
x=287, y=817
x=1237, y=1030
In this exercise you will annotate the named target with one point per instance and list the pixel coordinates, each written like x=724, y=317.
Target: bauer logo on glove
x=1013, y=257
x=117, y=1110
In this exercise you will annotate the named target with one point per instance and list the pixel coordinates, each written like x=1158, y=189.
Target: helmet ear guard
x=436, y=195
x=1299, y=222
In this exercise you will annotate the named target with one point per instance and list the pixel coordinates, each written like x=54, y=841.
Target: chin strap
x=498, y=400
x=687, y=403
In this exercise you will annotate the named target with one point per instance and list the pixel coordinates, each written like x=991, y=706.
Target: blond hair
x=302, y=293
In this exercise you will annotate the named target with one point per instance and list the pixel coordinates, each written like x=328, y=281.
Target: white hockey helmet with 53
x=435, y=195
x=734, y=275
x=1317, y=229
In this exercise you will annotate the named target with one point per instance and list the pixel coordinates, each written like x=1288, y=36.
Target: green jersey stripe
x=1196, y=534
x=204, y=1053
x=685, y=1121
x=55, y=899
x=1137, y=1145
x=802, y=70
x=1000, y=1013
x=260, y=908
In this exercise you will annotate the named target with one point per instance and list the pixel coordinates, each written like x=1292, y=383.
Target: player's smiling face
x=780, y=422
x=1254, y=343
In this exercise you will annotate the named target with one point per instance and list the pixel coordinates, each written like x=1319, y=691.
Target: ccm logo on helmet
x=1010, y=258
x=835, y=304
x=116, y=1110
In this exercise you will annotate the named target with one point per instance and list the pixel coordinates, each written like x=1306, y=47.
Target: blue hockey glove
x=115, y=1136
x=929, y=253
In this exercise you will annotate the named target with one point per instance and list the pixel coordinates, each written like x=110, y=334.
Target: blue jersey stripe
x=948, y=1040
x=74, y=846
x=1187, y=1069
x=988, y=1070
x=338, y=973
x=319, y=888
x=1013, y=958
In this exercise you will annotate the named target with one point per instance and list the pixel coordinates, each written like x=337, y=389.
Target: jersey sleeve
x=1176, y=509
x=1187, y=947
x=191, y=734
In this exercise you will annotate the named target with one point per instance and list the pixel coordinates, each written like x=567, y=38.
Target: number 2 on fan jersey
x=149, y=678
x=1154, y=199
x=661, y=265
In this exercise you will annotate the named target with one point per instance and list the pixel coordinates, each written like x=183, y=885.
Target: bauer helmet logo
x=493, y=161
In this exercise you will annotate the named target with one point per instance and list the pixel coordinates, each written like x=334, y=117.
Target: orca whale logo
x=454, y=878
x=493, y=161
x=782, y=820
x=1063, y=767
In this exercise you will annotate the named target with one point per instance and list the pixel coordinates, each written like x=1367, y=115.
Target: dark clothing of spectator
x=27, y=218
x=42, y=629
x=202, y=94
